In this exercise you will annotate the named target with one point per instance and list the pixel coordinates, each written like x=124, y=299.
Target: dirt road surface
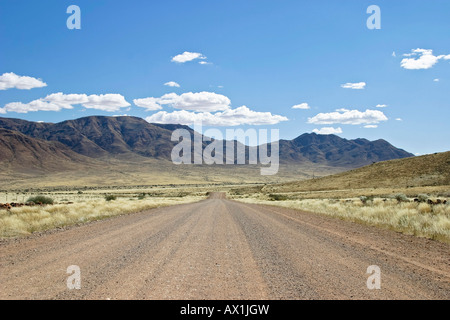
x=221, y=249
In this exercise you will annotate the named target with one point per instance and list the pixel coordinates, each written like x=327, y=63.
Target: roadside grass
x=419, y=219
x=26, y=220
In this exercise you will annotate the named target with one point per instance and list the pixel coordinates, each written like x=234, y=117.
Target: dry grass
x=424, y=171
x=26, y=220
x=419, y=219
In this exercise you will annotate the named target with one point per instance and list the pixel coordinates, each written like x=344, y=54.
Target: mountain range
x=98, y=137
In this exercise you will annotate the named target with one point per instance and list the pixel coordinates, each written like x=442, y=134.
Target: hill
x=99, y=136
x=101, y=150
x=422, y=171
x=27, y=154
x=338, y=152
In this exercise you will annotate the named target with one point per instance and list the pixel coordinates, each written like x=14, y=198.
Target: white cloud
x=59, y=101
x=371, y=126
x=354, y=86
x=172, y=84
x=187, y=56
x=353, y=117
x=303, y=106
x=394, y=54
x=150, y=104
x=199, y=101
x=399, y=119
x=106, y=102
x=204, y=62
x=436, y=80
x=421, y=59
x=33, y=106
x=328, y=130
x=381, y=106
x=230, y=117
x=12, y=80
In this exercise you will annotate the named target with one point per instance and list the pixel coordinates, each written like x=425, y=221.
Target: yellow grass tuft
x=424, y=220
x=26, y=220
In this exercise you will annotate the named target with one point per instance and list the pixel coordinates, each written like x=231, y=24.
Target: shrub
x=110, y=197
x=400, y=197
x=141, y=196
x=422, y=197
x=365, y=199
x=277, y=197
x=40, y=199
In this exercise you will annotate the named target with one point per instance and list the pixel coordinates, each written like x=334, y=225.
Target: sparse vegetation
x=394, y=212
x=26, y=220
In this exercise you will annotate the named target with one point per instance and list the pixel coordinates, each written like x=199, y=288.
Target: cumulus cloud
x=187, y=56
x=436, y=80
x=398, y=119
x=371, y=126
x=352, y=117
x=172, y=84
x=150, y=104
x=303, y=106
x=199, y=101
x=328, y=130
x=106, y=102
x=421, y=59
x=354, y=86
x=36, y=105
x=228, y=118
x=381, y=106
x=12, y=80
x=59, y=101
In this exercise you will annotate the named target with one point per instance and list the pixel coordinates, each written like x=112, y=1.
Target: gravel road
x=221, y=249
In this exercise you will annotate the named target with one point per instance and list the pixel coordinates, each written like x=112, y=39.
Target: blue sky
x=265, y=55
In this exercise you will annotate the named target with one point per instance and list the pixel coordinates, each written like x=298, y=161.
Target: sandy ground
x=221, y=249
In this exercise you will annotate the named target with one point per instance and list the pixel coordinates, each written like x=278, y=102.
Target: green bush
x=141, y=196
x=277, y=197
x=41, y=199
x=422, y=197
x=110, y=197
x=365, y=199
x=400, y=197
